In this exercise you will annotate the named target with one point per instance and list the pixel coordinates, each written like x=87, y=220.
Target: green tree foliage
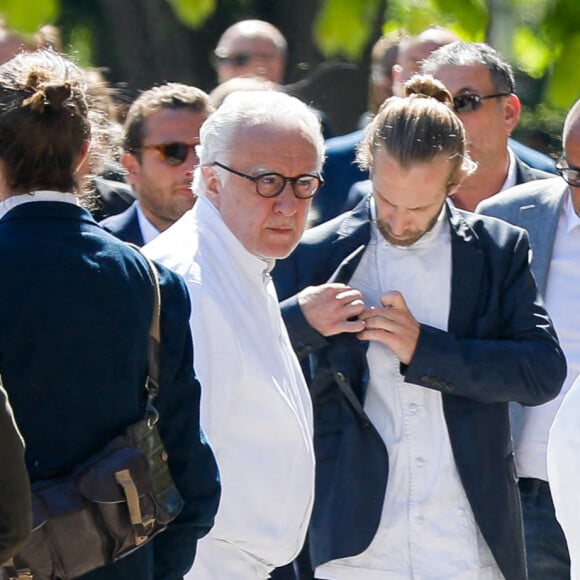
x=343, y=27
x=545, y=34
x=28, y=16
x=193, y=13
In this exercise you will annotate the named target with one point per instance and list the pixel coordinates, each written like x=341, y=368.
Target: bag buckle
x=9, y=572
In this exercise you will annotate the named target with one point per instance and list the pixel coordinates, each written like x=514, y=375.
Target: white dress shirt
x=427, y=528
x=563, y=303
x=148, y=230
x=564, y=471
x=255, y=406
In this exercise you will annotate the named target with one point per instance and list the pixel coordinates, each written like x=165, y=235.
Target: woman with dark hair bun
x=75, y=311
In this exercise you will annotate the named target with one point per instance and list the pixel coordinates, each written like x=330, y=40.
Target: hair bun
x=427, y=86
x=53, y=95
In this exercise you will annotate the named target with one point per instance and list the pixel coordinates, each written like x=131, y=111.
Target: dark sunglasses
x=239, y=59
x=173, y=153
x=569, y=173
x=469, y=102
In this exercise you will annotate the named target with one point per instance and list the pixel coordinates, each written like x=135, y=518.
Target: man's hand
x=328, y=308
x=393, y=325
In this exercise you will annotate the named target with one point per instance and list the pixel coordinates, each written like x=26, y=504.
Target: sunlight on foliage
x=531, y=52
x=343, y=28
x=563, y=88
x=467, y=19
x=81, y=40
x=193, y=12
x=27, y=16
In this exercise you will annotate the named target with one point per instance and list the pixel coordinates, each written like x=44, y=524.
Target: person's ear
x=512, y=110
x=82, y=165
x=398, y=89
x=213, y=184
x=132, y=166
x=457, y=180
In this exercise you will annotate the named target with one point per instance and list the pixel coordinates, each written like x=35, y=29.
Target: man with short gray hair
x=482, y=84
x=260, y=160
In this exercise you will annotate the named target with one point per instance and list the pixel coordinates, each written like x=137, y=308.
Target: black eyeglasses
x=569, y=173
x=469, y=102
x=173, y=153
x=272, y=184
x=239, y=59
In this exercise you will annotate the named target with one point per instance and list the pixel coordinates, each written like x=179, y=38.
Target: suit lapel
x=347, y=355
x=466, y=277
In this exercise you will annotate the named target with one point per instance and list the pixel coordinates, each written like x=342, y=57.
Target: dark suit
x=125, y=226
x=15, y=510
x=341, y=172
x=524, y=174
x=493, y=298
x=113, y=197
x=75, y=310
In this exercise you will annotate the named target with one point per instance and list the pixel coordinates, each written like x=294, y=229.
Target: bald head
x=569, y=163
x=251, y=48
x=413, y=50
x=571, y=130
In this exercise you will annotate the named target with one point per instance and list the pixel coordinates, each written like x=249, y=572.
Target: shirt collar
x=148, y=230
x=512, y=173
x=211, y=217
x=572, y=218
x=43, y=195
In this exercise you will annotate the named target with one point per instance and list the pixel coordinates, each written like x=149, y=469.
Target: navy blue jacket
x=125, y=225
x=500, y=347
x=76, y=305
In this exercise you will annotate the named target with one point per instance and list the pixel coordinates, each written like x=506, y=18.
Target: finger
x=348, y=295
x=393, y=299
x=373, y=312
x=351, y=326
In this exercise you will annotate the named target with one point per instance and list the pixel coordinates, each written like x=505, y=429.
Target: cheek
x=384, y=213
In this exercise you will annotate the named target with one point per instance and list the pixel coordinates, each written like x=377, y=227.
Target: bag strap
x=9, y=572
x=154, y=344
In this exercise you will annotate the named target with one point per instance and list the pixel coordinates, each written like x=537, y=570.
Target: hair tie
x=37, y=101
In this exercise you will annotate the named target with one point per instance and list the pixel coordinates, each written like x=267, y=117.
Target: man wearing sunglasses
x=161, y=134
x=483, y=88
x=251, y=48
x=260, y=160
x=550, y=211
x=489, y=142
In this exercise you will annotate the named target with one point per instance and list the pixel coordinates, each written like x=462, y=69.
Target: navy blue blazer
x=125, y=225
x=500, y=347
x=112, y=197
x=76, y=305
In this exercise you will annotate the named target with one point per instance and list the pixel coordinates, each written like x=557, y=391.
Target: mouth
x=184, y=190
x=282, y=230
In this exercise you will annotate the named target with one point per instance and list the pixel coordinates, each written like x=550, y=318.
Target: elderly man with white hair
x=260, y=160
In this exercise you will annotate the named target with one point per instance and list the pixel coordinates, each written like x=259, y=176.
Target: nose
x=191, y=161
x=398, y=222
x=287, y=202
